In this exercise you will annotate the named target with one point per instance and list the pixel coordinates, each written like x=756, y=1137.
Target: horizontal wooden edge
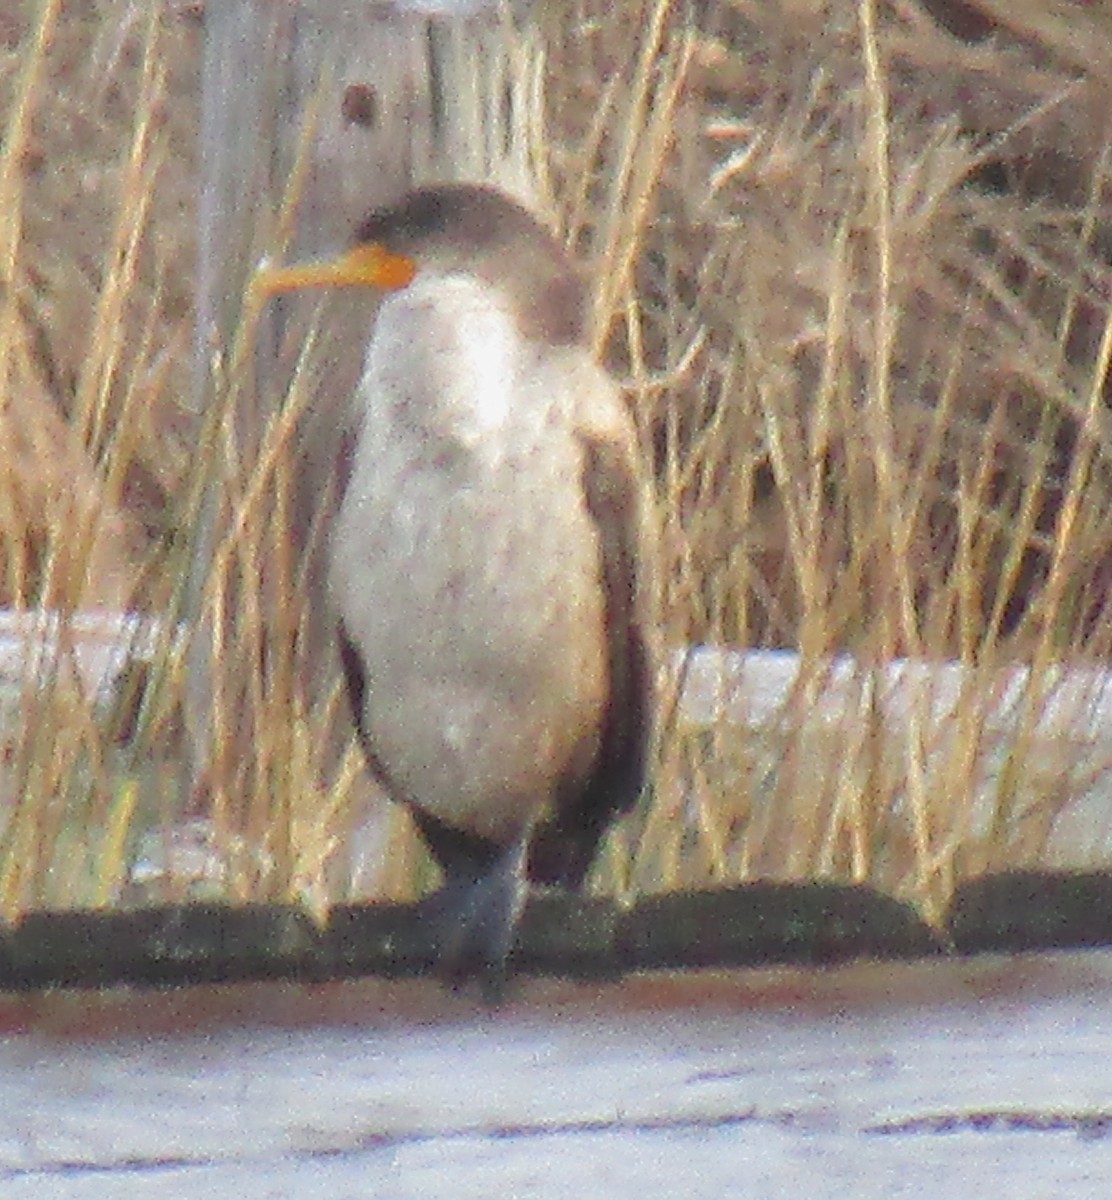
x=562, y=935
x=371, y=1002
x=717, y=684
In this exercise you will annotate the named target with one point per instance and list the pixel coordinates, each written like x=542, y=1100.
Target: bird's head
x=455, y=229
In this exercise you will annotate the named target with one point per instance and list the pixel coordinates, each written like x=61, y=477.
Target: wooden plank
x=956, y=1079
x=561, y=934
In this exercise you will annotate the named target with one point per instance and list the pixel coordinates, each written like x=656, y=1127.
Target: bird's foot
x=476, y=922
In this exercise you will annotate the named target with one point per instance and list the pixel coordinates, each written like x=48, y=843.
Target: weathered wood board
x=979, y=1078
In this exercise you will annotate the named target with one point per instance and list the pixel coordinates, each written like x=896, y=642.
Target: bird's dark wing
x=617, y=500
x=355, y=680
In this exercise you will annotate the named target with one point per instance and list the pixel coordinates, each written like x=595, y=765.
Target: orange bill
x=365, y=265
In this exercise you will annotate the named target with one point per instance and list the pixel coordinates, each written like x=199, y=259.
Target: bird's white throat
x=447, y=358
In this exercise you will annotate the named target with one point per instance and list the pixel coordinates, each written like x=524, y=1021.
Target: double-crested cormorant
x=491, y=559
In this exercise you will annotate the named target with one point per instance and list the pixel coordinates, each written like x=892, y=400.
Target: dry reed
x=854, y=271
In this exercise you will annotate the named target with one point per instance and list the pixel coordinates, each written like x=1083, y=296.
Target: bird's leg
x=477, y=918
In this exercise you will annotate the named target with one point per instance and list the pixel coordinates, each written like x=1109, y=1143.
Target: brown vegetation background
x=866, y=333
x=931, y=245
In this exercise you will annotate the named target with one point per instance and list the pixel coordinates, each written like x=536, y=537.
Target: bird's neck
x=448, y=363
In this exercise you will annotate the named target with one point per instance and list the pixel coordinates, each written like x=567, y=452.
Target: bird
x=492, y=563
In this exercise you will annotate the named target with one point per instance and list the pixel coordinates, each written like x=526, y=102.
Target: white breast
x=446, y=358
x=466, y=566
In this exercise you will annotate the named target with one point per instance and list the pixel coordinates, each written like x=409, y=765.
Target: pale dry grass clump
x=877, y=288
x=97, y=108
x=855, y=271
